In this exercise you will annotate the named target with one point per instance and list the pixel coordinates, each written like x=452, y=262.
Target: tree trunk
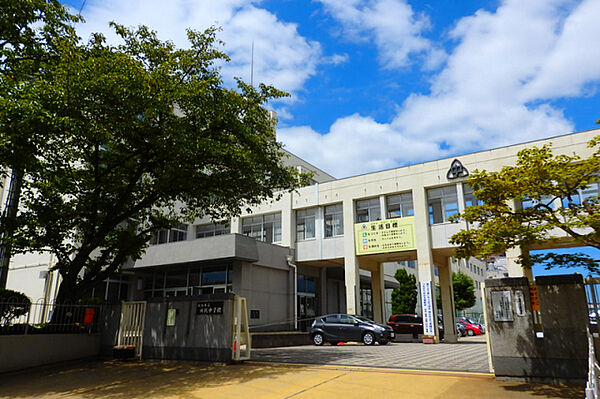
x=10, y=212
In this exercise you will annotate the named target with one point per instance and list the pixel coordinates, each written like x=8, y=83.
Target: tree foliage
x=539, y=178
x=12, y=305
x=464, y=291
x=404, y=299
x=123, y=140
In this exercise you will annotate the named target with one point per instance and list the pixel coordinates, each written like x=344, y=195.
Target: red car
x=410, y=324
x=471, y=329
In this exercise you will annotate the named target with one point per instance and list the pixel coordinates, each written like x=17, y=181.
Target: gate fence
x=45, y=317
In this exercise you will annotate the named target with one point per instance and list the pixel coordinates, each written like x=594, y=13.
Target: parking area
x=469, y=355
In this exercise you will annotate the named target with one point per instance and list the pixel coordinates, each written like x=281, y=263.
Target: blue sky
x=382, y=83
x=377, y=84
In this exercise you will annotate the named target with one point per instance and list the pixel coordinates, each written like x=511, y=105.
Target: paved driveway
x=468, y=355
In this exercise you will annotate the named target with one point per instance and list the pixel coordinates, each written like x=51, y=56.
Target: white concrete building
x=313, y=249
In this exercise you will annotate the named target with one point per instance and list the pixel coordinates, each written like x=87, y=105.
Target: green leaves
x=404, y=299
x=464, y=291
x=117, y=142
x=550, y=185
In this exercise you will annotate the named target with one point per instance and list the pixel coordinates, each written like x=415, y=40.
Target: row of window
x=192, y=281
x=442, y=202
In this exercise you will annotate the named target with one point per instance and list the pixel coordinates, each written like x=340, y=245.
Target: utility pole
x=9, y=214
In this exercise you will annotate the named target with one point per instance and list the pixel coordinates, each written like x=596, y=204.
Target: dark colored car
x=335, y=328
x=461, y=329
x=468, y=320
x=472, y=329
x=411, y=324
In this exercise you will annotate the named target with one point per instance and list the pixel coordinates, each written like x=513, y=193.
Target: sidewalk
x=124, y=380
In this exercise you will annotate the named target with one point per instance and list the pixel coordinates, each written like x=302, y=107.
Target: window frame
x=303, y=219
x=332, y=214
x=372, y=208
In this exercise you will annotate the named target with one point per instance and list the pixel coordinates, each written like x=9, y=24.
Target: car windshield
x=364, y=319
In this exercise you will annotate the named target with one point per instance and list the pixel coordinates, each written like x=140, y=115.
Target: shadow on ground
x=113, y=379
x=548, y=391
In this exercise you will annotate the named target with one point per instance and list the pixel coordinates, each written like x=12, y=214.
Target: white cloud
x=282, y=57
x=493, y=90
x=355, y=144
x=392, y=24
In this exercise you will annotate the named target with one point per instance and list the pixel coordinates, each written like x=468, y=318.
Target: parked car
x=411, y=324
x=471, y=329
x=469, y=320
x=335, y=328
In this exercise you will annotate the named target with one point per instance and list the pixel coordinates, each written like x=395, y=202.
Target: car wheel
x=470, y=332
x=318, y=339
x=383, y=342
x=368, y=338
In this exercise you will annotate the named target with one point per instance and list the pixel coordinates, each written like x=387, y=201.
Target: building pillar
x=425, y=257
x=447, y=295
x=351, y=266
x=378, y=293
x=323, y=291
x=514, y=268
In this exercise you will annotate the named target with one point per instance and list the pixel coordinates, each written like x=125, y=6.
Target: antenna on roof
x=252, y=66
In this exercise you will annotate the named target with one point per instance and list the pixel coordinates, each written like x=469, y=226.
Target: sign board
x=533, y=295
x=209, y=308
x=427, y=306
x=519, y=303
x=382, y=236
x=501, y=305
x=171, y=314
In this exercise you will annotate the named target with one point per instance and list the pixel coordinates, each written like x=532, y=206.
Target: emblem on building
x=456, y=170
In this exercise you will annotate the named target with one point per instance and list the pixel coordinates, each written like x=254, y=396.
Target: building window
x=368, y=210
x=192, y=281
x=211, y=230
x=334, y=220
x=592, y=190
x=442, y=203
x=177, y=233
x=305, y=224
x=544, y=200
x=263, y=228
x=469, y=197
x=399, y=206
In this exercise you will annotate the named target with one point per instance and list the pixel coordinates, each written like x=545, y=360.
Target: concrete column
x=447, y=294
x=288, y=222
x=323, y=291
x=461, y=197
x=424, y=254
x=351, y=266
x=320, y=230
x=514, y=268
x=378, y=293
x=236, y=225
x=383, y=207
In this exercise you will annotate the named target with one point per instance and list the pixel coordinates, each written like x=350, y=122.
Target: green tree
x=404, y=299
x=464, y=291
x=539, y=179
x=12, y=305
x=137, y=137
x=30, y=36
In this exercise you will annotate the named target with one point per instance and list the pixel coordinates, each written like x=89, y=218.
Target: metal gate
x=131, y=328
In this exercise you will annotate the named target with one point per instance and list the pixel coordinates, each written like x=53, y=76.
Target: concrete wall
x=193, y=337
x=268, y=291
x=556, y=348
x=19, y=352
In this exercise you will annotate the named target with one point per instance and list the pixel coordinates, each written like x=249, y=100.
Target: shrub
x=12, y=305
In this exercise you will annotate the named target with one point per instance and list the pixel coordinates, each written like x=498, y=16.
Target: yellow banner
x=382, y=236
